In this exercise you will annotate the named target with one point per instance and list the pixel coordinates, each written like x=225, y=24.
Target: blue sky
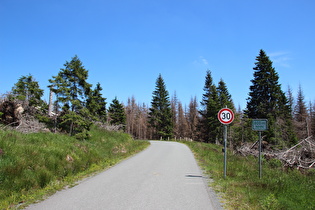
x=126, y=44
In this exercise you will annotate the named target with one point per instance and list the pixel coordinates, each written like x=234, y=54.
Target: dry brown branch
x=301, y=155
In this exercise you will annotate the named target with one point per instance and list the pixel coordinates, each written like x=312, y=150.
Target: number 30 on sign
x=226, y=116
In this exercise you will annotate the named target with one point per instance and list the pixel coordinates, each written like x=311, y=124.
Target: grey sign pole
x=225, y=116
x=260, y=125
x=225, y=149
x=260, y=166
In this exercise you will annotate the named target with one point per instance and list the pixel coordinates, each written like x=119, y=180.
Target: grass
x=34, y=165
x=242, y=189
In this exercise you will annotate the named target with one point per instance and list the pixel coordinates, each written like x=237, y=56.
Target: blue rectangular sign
x=260, y=124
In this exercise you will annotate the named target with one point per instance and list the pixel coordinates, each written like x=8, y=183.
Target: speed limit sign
x=226, y=116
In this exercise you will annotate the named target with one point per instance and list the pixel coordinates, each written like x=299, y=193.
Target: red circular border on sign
x=232, y=116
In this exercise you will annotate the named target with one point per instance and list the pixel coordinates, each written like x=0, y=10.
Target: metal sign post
x=259, y=158
x=260, y=125
x=225, y=153
x=225, y=116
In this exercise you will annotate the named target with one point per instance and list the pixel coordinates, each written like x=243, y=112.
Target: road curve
x=164, y=176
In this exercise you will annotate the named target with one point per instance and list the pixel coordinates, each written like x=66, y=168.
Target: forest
x=74, y=106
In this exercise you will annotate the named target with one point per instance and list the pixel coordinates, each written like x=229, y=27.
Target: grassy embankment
x=38, y=164
x=242, y=189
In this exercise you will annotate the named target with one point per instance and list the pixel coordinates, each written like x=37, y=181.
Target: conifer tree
x=225, y=101
x=266, y=97
x=27, y=89
x=225, y=98
x=267, y=100
x=210, y=105
x=117, y=113
x=70, y=85
x=96, y=103
x=72, y=90
x=160, y=113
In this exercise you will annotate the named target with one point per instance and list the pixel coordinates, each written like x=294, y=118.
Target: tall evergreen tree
x=72, y=90
x=160, y=113
x=225, y=97
x=267, y=100
x=96, y=103
x=70, y=85
x=225, y=100
x=265, y=97
x=27, y=89
x=117, y=113
x=210, y=105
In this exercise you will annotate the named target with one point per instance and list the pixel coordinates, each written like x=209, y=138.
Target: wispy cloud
x=281, y=58
x=204, y=60
x=201, y=61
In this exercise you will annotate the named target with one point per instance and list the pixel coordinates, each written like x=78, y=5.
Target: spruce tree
x=266, y=97
x=225, y=98
x=117, y=113
x=72, y=90
x=160, y=113
x=210, y=105
x=225, y=101
x=96, y=103
x=27, y=89
x=267, y=100
x=70, y=85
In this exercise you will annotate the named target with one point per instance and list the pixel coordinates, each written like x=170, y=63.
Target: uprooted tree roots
x=20, y=116
x=300, y=156
x=11, y=113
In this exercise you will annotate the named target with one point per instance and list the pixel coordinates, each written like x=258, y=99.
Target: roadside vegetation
x=61, y=140
x=279, y=188
x=36, y=164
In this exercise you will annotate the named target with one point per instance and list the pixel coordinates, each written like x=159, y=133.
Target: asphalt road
x=164, y=176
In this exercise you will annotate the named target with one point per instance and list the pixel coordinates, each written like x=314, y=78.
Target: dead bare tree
x=137, y=119
x=193, y=118
x=183, y=128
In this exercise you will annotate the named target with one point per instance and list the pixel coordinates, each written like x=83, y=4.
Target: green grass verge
x=35, y=165
x=242, y=189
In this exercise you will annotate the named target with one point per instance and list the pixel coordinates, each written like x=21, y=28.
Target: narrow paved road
x=164, y=176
